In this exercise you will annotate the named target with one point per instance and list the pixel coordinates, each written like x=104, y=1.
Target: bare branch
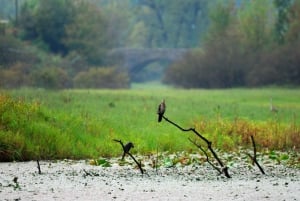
x=205, y=153
x=38, y=166
x=138, y=164
x=253, y=158
x=209, y=145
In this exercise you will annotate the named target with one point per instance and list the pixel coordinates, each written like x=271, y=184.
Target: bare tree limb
x=38, y=166
x=138, y=163
x=209, y=145
x=253, y=158
x=205, y=153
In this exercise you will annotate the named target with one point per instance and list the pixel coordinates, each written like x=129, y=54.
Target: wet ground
x=78, y=180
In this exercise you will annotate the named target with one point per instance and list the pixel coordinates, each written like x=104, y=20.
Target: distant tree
x=256, y=20
x=12, y=51
x=8, y=9
x=64, y=26
x=103, y=77
x=282, y=22
x=16, y=76
x=221, y=15
x=120, y=17
x=172, y=23
x=45, y=21
x=9, y=47
x=187, y=73
x=138, y=36
x=50, y=78
x=280, y=66
x=233, y=44
x=293, y=32
x=222, y=64
x=87, y=34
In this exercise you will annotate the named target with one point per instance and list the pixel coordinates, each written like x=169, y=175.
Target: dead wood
x=39, y=167
x=207, y=157
x=209, y=145
x=253, y=158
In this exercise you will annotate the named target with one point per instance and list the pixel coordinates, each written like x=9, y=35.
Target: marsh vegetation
x=79, y=124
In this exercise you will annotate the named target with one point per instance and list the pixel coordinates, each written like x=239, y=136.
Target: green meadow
x=76, y=124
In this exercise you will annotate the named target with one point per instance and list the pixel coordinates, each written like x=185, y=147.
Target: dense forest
x=231, y=43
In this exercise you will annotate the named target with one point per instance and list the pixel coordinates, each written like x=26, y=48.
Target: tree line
x=63, y=43
x=251, y=45
x=59, y=44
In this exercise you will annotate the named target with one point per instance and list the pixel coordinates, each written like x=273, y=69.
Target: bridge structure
x=135, y=59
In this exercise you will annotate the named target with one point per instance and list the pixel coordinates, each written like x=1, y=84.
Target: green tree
x=172, y=23
x=228, y=55
x=120, y=17
x=256, y=20
x=44, y=21
x=87, y=34
x=221, y=15
x=138, y=35
x=104, y=77
x=293, y=33
x=282, y=22
x=13, y=50
x=50, y=78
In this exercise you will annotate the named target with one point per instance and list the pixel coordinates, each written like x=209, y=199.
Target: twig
x=253, y=158
x=38, y=166
x=127, y=152
x=209, y=145
x=138, y=163
x=120, y=143
x=87, y=173
x=205, y=153
x=90, y=173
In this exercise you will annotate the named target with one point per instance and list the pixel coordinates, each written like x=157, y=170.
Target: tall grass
x=82, y=123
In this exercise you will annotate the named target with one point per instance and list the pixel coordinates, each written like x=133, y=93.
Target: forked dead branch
x=223, y=169
x=253, y=158
x=207, y=157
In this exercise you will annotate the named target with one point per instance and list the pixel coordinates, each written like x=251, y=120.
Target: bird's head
x=131, y=144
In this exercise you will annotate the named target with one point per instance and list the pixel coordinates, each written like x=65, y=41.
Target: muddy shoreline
x=78, y=180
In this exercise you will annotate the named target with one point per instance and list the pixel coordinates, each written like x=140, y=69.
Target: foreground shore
x=78, y=180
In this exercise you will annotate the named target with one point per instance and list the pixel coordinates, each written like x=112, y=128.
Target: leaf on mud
x=273, y=155
x=284, y=157
x=168, y=162
x=185, y=160
x=100, y=162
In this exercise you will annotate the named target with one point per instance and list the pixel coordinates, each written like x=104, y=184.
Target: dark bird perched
x=161, y=110
x=127, y=148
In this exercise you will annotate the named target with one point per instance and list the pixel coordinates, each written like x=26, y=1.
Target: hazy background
x=184, y=43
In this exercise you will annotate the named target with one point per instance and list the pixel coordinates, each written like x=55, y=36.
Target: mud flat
x=78, y=180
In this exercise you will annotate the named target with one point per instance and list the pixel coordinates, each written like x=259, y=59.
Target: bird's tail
x=159, y=118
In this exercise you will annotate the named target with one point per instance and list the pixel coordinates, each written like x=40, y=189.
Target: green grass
x=82, y=123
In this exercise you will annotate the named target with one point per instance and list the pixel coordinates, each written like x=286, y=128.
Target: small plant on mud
x=103, y=162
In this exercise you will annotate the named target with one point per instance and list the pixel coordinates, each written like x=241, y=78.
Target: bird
x=127, y=148
x=272, y=107
x=161, y=110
